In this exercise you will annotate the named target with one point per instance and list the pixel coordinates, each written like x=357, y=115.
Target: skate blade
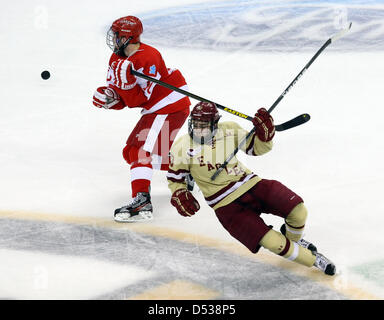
x=141, y=217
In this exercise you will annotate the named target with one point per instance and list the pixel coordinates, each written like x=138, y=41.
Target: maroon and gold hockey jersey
x=202, y=161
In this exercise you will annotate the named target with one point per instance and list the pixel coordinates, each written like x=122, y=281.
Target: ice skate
x=324, y=264
x=302, y=242
x=140, y=209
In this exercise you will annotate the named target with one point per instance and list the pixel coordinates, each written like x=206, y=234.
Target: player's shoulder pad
x=180, y=147
x=148, y=50
x=145, y=55
x=226, y=125
x=180, y=142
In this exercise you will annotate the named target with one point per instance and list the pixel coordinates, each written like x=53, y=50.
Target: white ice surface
x=61, y=155
x=35, y=275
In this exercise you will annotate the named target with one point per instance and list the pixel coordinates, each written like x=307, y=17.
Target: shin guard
x=277, y=243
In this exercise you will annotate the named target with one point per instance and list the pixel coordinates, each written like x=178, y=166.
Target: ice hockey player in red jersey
x=237, y=195
x=163, y=111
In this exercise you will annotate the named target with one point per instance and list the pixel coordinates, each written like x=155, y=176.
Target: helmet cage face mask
x=202, y=124
x=114, y=42
x=202, y=131
x=122, y=32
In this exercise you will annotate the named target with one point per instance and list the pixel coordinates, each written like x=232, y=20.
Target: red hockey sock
x=140, y=185
x=141, y=176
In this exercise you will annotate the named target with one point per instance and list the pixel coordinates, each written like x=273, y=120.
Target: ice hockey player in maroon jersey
x=163, y=111
x=237, y=195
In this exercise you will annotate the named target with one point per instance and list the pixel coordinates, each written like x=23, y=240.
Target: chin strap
x=121, y=49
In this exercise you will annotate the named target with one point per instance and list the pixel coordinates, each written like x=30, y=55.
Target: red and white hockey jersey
x=140, y=93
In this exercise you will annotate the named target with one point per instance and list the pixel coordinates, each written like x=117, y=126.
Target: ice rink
x=62, y=173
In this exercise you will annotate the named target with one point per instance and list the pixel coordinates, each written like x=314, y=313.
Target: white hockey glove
x=105, y=97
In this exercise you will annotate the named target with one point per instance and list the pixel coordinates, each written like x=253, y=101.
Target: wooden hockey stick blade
x=301, y=119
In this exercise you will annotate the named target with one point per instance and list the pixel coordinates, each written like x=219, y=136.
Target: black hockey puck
x=45, y=75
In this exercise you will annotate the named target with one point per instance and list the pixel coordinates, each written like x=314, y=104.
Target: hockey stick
x=326, y=44
x=280, y=127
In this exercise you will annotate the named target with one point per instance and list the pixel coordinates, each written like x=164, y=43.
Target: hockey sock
x=141, y=176
x=140, y=185
x=277, y=243
x=295, y=222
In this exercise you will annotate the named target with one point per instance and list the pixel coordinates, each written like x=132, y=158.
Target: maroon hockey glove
x=265, y=129
x=185, y=202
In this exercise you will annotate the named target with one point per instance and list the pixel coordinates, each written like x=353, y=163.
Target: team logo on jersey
x=193, y=152
x=152, y=69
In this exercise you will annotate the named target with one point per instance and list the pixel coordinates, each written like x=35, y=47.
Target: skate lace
x=321, y=261
x=135, y=201
x=304, y=243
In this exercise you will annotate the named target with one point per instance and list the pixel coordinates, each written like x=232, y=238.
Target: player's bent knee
x=126, y=154
x=134, y=155
x=297, y=217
